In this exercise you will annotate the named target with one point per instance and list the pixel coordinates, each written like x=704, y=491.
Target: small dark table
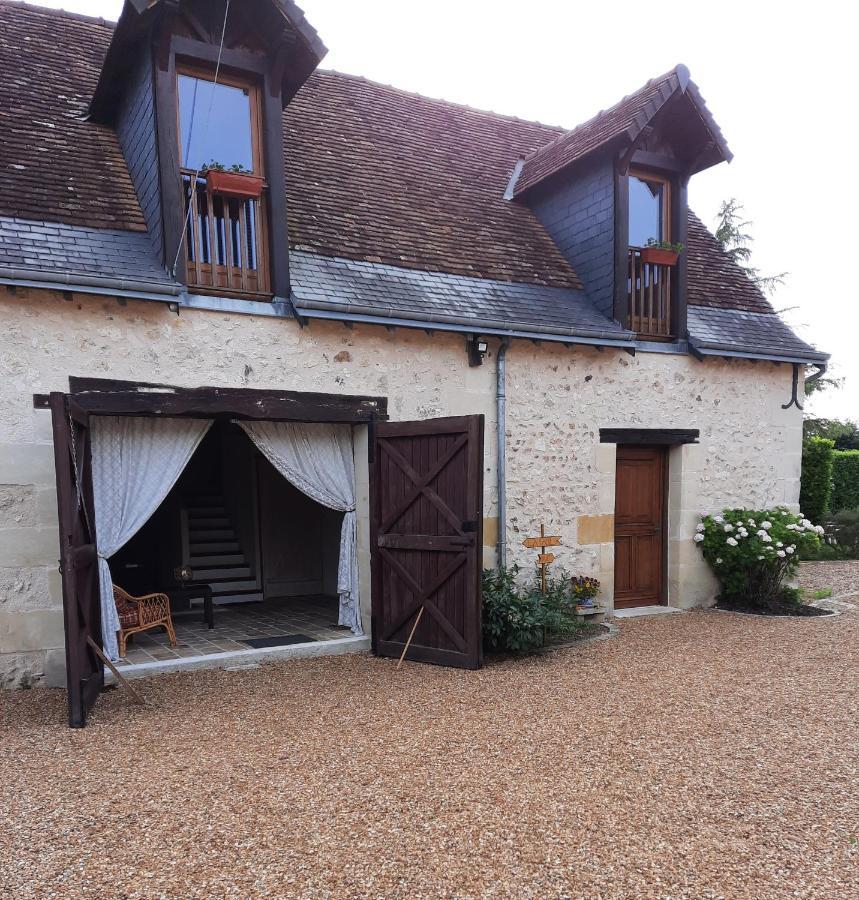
x=180, y=598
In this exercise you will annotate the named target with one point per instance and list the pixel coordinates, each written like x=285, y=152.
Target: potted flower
x=234, y=182
x=661, y=253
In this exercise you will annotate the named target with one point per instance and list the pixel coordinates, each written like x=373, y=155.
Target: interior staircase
x=215, y=553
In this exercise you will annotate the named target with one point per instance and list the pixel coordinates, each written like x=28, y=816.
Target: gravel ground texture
x=841, y=577
x=699, y=755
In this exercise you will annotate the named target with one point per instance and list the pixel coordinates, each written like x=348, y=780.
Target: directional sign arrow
x=545, y=558
x=549, y=540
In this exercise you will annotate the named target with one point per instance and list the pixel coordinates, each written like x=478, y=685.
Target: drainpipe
x=501, y=418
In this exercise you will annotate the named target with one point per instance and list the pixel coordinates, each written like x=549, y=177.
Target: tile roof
x=55, y=166
x=604, y=127
x=377, y=173
x=374, y=174
x=714, y=279
x=375, y=289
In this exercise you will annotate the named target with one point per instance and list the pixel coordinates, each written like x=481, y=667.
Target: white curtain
x=135, y=463
x=318, y=460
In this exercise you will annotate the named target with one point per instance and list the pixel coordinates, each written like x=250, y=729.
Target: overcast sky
x=778, y=77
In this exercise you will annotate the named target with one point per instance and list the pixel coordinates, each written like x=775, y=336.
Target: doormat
x=279, y=641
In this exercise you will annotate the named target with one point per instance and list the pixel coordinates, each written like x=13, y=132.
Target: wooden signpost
x=544, y=559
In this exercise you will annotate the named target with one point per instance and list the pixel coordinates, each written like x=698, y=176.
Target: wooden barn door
x=426, y=539
x=78, y=560
x=639, y=522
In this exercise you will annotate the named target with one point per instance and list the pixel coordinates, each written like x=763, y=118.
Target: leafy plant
x=664, y=245
x=753, y=552
x=845, y=434
x=845, y=480
x=816, y=485
x=215, y=166
x=518, y=617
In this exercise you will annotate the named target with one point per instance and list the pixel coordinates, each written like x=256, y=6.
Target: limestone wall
x=557, y=401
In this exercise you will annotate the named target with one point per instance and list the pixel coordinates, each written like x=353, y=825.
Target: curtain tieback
x=351, y=509
x=102, y=556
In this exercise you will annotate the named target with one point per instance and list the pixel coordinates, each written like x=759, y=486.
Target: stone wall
x=558, y=472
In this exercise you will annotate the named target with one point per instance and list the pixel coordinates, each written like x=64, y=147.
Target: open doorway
x=248, y=560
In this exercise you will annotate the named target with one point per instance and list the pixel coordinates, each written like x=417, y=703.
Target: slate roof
x=375, y=175
x=374, y=289
x=738, y=331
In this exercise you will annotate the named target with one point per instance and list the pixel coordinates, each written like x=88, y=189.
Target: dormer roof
x=280, y=27
x=621, y=127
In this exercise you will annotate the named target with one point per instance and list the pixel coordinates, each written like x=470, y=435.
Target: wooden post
x=411, y=635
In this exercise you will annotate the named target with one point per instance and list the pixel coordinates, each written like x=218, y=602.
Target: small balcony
x=225, y=239
x=649, y=290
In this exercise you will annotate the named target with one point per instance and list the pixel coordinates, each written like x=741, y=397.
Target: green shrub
x=843, y=530
x=845, y=480
x=753, y=551
x=518, y=617
x=816, y=484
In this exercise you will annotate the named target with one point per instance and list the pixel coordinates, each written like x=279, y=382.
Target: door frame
x=663, y=451
x=109, y=397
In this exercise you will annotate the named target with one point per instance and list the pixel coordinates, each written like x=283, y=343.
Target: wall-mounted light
x=173, y=307
x=477, y=348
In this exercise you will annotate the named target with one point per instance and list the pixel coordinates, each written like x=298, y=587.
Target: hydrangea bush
x=754, y=551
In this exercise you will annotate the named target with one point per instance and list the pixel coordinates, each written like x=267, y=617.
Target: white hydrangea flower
x=766, y=538
x=698, y=538
x=718, y=520
x=718, y=560
x=760, y=557
x=807, y=524
x=790, y=549
x=819, y=529
x=766, y=525
x=779, y=544
x=780, y=553
x=761, y=533
x=729, y=526
x=731, y=542
x=752, y=522
x=699, y=526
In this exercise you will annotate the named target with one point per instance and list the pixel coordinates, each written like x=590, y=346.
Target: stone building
x=223, y=232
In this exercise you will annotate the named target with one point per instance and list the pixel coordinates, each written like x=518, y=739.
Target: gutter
x=501, y=423
x=702, y=350
x=361, y=314
x=90, y=284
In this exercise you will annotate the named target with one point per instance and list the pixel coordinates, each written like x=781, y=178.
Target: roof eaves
x=701, y=349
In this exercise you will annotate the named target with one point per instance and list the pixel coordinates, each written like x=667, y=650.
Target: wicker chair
x=141, y=614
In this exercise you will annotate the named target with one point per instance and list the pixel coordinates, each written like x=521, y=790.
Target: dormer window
x=223, y=181
x=650, y=271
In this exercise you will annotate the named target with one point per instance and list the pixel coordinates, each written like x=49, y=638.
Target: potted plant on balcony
x=234, y=182
x=660, y=253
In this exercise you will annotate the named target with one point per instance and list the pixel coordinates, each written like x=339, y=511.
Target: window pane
x=645, y=211
x=226, y=139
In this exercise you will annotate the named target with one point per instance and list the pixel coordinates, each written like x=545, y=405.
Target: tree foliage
x=844, y=434
x=732, y=232
x=816, y=486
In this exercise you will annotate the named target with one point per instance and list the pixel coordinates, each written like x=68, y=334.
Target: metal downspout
x=501, y=419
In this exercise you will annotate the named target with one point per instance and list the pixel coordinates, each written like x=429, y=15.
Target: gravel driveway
x=699, y=755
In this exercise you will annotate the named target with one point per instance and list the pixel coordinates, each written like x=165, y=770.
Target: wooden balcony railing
x=649, y=288
x=225, y=241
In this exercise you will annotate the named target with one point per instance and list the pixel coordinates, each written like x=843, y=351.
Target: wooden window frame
x=667, y=197
x=216, y=278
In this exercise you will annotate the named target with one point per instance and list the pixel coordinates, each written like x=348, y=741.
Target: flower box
x=659, y=256
x=240, y=185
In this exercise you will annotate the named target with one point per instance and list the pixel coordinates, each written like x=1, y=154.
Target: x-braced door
x=426, y=539
x=78, y=559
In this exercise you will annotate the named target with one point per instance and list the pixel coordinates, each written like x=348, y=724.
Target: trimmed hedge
x=845, y=480
x=816, y=487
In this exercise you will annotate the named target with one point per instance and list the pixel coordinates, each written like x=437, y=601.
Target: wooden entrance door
x=426, y=526
x=78, y=560
x=639, y=527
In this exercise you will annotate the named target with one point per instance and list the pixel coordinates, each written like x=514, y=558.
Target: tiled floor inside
x=315, y=617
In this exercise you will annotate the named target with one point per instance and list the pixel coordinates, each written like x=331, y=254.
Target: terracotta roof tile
x=583, y=139
x=714, y=278
x=53, y=165
x=380, y=174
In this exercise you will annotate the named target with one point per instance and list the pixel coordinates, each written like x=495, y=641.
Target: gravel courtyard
x=699, y=755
